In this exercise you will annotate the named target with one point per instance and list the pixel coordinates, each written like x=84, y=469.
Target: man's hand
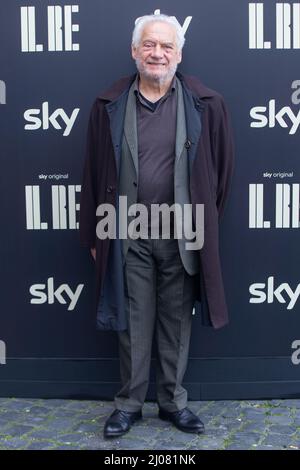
x=93, y=253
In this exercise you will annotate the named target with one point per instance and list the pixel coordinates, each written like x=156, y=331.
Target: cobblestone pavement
x=78, y=424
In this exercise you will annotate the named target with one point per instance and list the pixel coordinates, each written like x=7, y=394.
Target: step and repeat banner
x=55, y=58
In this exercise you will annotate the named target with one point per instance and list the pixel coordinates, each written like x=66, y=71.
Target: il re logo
x=286, y=204
x=2, y=92
x=42, y=293
x=64, y=207
x=60, y=29
x=2, y=352
x=287, y=29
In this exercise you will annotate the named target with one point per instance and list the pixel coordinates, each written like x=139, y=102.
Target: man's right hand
x=93, y=253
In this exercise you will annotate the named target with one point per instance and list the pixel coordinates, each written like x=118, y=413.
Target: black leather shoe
x=185, y=420
x=119, y=422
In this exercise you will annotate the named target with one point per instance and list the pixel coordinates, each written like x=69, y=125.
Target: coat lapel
x=130, y=128
x=193, y=107
x=116, y=111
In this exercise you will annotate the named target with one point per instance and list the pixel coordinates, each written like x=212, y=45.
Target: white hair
x=144, y=20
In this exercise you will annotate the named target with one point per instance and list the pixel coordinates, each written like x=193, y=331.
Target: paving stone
x=294, y=445
x=72, y=438
x=62, y=413
x=265, y=447
x=238, y=446
x=37, y=410
x=40, y=445
x=19, y=405
x=247, y=437
x=278, y=429
x=144, y=432
x=61, y=423
x=86, y=427
x=182, y=438
x=89, y=415
x=282, y=420
x=56, y=402
x=295, y=403
x=297, y=413
x=66, y=447
x=51, y=434
x=14, y=443
x=166, y=444
x=78, y=405
x=98, y=442
x=9, y=416
x=32, y=420
x=254, y=426
x=18, y=429
x=225, y=424
x=251, y=413
x=277, y=439
x=3, y=423
x=128, y=444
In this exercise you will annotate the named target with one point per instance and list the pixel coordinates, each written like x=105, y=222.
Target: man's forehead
x=162, y=31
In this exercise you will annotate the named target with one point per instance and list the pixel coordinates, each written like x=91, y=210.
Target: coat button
x=135, y=183
x=110, y=189
x=187, y=144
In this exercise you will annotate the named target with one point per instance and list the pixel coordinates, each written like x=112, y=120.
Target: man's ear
x=179, y=56
x=133, y=52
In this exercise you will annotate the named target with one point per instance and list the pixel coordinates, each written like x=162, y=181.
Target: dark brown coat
x=211, y=156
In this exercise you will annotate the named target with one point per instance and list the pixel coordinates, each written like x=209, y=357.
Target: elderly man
x=156, y=137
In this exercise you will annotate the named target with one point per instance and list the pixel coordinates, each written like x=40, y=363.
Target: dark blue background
x=55, y=352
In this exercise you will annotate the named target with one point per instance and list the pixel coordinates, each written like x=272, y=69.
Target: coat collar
x=193, y=84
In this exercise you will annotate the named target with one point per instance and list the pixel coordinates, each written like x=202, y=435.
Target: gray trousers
x=159, y=296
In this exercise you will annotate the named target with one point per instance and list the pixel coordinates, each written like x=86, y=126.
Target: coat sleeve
x=88, y=198
x=223, y=155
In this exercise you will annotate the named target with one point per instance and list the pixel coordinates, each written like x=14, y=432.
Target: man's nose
x=157, y=51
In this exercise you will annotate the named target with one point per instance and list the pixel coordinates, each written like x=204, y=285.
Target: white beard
x=157, y=78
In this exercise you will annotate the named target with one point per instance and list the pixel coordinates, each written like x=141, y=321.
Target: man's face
x=157, y=55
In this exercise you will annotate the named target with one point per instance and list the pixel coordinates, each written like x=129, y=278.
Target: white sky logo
x=185, y=25
x=266, y=292
x=42, y=293
x=2, y=92
x=60, y=29
x=270, y=116
x=31, y=116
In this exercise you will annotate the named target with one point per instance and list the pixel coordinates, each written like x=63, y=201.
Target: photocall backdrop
x=55, y=58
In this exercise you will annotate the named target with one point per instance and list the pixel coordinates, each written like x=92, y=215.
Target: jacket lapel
x=121, y=109
x=180, y=124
